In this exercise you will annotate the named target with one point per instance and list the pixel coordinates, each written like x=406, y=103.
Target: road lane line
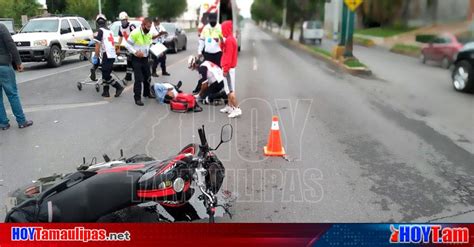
x=60, y=107
x=255, y=64
x=51, y=74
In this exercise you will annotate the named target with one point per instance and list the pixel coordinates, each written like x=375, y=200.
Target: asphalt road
x=397, y=147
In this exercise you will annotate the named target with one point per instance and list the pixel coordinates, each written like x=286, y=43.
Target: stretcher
x=87, y=51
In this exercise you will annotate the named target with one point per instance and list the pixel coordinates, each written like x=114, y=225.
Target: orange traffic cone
x=274, y=147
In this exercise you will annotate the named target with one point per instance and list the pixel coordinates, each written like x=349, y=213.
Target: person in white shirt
x=105, y=50
x=161, y=32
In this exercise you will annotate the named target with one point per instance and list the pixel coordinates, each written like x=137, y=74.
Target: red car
x=442, y=49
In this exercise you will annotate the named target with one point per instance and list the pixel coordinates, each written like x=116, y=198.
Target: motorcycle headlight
x=41, y=42
x=178, y=185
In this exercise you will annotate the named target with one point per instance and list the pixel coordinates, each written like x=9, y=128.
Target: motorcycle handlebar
x=202, y=136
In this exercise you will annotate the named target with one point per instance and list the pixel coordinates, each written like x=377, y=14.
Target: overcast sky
x=244, y=5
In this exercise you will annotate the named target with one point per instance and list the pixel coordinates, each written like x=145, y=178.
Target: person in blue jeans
x=9, y=57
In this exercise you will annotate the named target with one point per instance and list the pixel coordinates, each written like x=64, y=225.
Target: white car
x=46, y=38
x=312, y=31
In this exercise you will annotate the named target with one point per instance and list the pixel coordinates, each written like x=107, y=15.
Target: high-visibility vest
x=209, y=35
x=140, y=41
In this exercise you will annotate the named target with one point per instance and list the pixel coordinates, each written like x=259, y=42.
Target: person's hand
x=117, y=49
x=139, y=54
x=20, y=68
x=226, y=73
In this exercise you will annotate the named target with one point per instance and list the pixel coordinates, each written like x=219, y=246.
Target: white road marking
x=54, y=73
x=60, y=107
x=255, y=64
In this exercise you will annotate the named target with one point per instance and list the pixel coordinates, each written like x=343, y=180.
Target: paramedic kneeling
x=211, y=84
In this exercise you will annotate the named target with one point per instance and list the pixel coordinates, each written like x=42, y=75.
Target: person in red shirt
x=228, y=64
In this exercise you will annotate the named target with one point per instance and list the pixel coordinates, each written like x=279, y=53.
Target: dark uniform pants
x=141, y=70
x=213, y=57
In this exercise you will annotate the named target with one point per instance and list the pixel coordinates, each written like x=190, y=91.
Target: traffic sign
x=353, y=4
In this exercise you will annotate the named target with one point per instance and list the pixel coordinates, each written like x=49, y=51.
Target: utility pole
x=100, y=7
x=335, y=22
x=350, y=34
x=285, y=5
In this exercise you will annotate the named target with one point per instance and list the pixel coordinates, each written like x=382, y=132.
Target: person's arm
x=202, y=40
x=129, y=43
x=226, y=59
x=98, y=41
x=203, y=72
x=10, y=45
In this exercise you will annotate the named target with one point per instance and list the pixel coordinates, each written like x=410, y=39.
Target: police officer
x=138, y=44
x=105, y=48
x=210, y=41
x=161, y=32
x=124, y=32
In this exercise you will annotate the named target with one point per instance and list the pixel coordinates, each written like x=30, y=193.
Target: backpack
x=183, y=103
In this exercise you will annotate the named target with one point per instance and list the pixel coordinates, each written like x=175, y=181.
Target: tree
x=380, y=12
x=266, y=10
x=84, y=8
x=166, y=9
x=300, y=10
x=15, y=9
x=56, y=6
x=112, y=8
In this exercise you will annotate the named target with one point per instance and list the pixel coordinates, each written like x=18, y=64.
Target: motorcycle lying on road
x=96, y=192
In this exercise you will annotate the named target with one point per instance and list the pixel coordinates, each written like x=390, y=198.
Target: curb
x=357, y=71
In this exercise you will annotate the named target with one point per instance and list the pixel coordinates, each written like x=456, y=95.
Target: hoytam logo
x=75, y=234
x=434, y=234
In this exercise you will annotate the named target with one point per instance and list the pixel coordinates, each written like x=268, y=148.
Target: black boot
x=164, y=73
x=92, y=75
x=154, y=74
x=119, y=89
x=139, y=102
x=106, y=91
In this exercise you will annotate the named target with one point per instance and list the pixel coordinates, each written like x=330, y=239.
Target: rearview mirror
x=226, y=133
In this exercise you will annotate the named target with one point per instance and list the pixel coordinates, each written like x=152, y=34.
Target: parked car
x=8, y=22
x=121, y=60
x=46, y=38
x=312, y=31
x=463, y=73
x=176, y=39
x=441, y=49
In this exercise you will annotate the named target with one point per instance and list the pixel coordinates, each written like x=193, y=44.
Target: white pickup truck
x=46, y=38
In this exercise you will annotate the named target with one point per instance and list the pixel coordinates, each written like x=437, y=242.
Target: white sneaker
x=235, y=113
x=206, y=101
x=227, y=109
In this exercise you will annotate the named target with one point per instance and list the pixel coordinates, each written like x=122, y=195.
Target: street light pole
x=284, y=13
x=100, y=7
